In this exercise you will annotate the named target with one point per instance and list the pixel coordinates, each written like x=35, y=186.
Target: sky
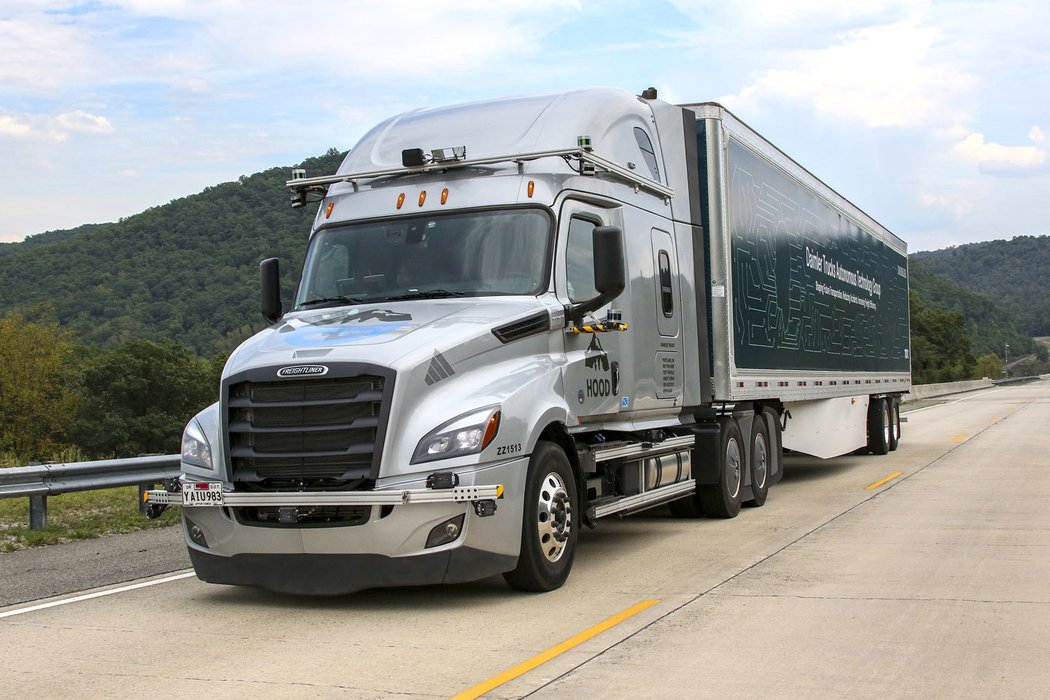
x=933, y=117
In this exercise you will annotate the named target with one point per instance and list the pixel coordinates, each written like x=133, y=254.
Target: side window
x=666, y=295
x=579, y=260
x=648, y=153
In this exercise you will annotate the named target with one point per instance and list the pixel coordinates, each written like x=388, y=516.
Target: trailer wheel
x=895, y=423
x=549, y=526
x=879, y=427
x=759, y=462
x=722, y=500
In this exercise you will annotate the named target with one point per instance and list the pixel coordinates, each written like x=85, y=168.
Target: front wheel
x=549, y=526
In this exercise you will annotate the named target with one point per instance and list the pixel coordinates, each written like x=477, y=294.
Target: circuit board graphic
x=812, y=290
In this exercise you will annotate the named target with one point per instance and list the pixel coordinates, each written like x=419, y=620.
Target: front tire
x=550, y=526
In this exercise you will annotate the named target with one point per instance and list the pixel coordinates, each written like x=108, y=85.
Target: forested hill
x=186, y=271
x=1011, y=273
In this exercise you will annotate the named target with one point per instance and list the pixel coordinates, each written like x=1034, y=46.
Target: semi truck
x=519, y=316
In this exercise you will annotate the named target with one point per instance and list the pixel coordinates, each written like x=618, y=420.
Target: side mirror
x=609, y=277
x=270, y=276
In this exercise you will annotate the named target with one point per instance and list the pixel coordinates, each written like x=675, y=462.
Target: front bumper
x=333, y=574
x=386, y=548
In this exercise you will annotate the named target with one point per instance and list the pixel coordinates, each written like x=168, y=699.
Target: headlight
x=466, y=435
x=195, y=447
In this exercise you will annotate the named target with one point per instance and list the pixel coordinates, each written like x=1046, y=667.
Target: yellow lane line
x=959, y=438
x=543, y=657
x=880, y=482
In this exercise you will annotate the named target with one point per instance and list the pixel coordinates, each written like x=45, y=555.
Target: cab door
x=593, y=379
x=667, y=362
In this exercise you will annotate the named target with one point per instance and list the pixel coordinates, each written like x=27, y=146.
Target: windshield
x=462, y=254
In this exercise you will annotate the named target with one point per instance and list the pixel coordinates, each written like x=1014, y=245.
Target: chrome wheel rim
x=760, y=464
x=554, y=517
x=733, y=468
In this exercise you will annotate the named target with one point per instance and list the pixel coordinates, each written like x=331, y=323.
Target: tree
x=37, y=395
x=939, y=343
x=138, y=398
x=988, y=366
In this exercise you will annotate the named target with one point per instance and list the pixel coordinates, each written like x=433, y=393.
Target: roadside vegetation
x=77, y=516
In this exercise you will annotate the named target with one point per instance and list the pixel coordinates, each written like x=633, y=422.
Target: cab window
x=579, y=260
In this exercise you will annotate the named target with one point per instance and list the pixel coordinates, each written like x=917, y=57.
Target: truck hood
x=379, y=333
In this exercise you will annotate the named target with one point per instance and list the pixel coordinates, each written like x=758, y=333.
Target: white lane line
x=97, y=594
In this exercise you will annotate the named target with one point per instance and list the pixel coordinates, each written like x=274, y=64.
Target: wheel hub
x=554, y=517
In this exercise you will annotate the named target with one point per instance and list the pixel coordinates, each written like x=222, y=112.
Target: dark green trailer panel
x=808, y=295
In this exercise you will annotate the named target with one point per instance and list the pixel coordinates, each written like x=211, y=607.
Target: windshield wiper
x=331, y=300
x=426, y=294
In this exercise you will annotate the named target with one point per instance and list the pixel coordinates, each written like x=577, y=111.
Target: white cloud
x=42, y=53
x=196, y=45
x=83, y=122
x=58, y=128
x=878, y=76
x=955, y=204
x=1037, y=134
x=12, y=126
x=997, y=159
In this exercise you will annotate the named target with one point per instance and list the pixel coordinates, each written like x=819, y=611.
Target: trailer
x=517, y=317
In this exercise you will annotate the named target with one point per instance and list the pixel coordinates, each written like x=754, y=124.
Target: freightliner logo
x=302, y=371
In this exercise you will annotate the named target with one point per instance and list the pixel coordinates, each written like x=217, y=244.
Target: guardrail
x=1009, y=380
x=39, y=481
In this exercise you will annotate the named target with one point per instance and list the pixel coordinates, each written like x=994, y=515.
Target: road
x=935, y=583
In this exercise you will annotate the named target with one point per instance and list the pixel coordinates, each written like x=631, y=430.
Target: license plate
x=202, y=494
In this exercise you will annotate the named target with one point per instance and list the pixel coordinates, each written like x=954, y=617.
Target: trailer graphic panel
x=812, y=289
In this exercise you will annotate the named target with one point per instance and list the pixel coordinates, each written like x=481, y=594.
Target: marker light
x=532, y=188
x=444, y=195
x=328, y=212
x=422, y=197
x=400, y=200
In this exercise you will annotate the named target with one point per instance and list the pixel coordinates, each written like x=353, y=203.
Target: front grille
x=305, y=434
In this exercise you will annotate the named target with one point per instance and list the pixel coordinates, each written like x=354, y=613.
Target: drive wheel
x=722, y=500
x=879, y=427
x=759, y=463
x=895, y=423
x=549, y=525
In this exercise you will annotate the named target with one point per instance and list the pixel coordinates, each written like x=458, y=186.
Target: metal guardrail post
x=143, y=488
x=38, y=512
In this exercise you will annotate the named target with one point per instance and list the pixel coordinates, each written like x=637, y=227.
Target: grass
x=77, y=516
